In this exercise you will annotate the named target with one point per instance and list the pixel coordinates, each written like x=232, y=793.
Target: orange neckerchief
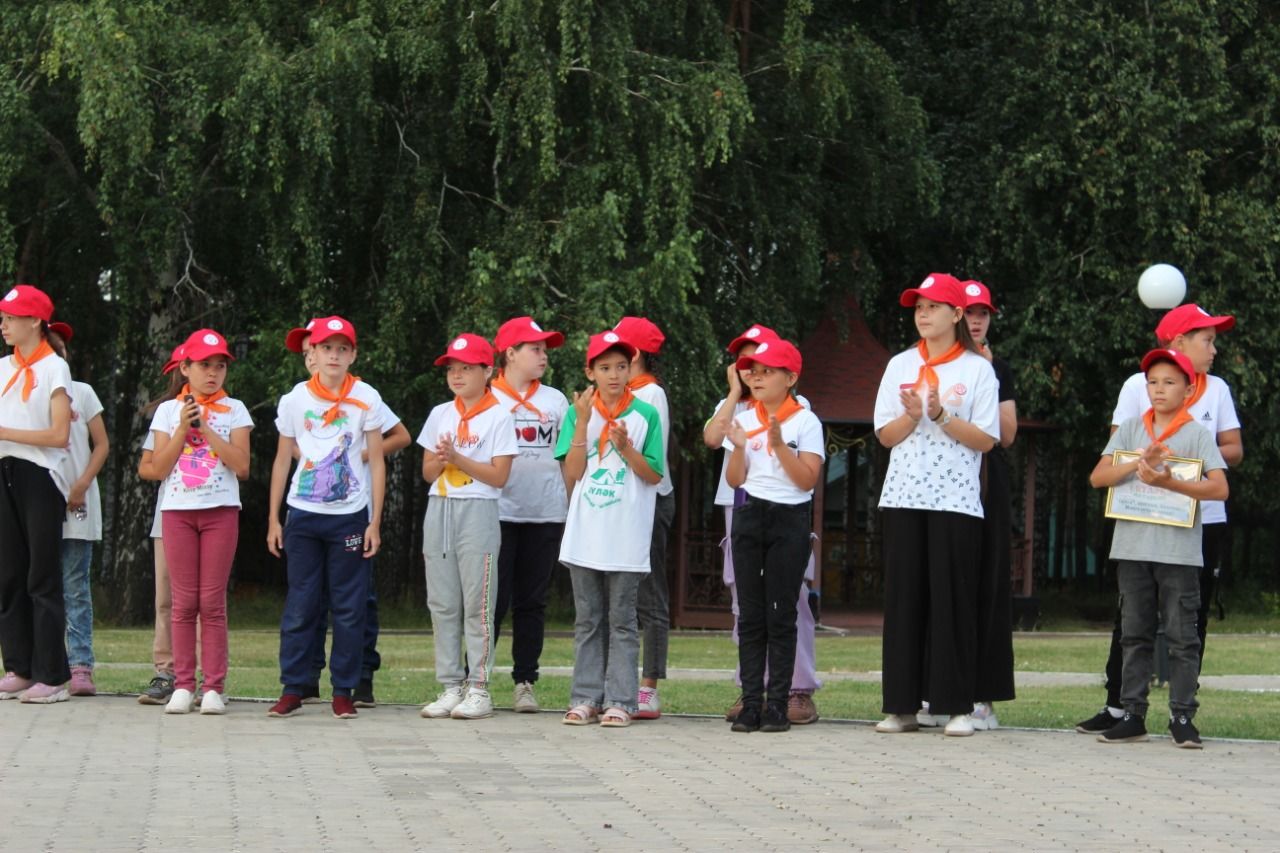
x=335, y=411
x=610, y=417
x=488, y=401
x=1201, y=385
x=522, y=400
x=788, y=408
x=927, y=371
x=1149, y=421
x=206, y=404
x=24, y=367
x=642, y=380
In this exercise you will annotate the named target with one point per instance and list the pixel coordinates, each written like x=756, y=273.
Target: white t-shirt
x=51, y=373
x=535, y=490
x=1215, y=411
x=766, y=478
x=928, y=469
x=493, y=434
x=85, y=406
x=388, y=417
x=157, y=531
x=724, y=494
x=331, y=478
x=199, y=479
x=656, y=396
x=610, y=519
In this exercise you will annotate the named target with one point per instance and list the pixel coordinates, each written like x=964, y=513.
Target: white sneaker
x=897, y=724
x=930, y=721
x=984, y=717
x=444, y=704
x=959, y=726
x=525, y=702
x=476, y=706
x=212, y=703
x=179, y=702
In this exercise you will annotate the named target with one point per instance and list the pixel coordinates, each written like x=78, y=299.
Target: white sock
x=1116, y=713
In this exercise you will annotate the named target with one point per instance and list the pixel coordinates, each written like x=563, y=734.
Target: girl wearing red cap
x=532, y=507
x=201, y=440
x=35, y=414
x=611, y=448
x=776, y=449
x=469, y=445
x=937, y=412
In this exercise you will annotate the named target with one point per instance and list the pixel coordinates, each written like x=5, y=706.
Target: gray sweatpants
x=460, y=543
x=606, y=641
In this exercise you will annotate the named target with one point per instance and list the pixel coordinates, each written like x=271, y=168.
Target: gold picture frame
x=1134, y=500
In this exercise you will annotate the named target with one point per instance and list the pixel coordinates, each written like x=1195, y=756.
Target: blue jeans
x=77, y=555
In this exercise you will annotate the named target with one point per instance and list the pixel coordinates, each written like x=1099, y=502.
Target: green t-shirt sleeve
x=653, y=451
x=567, y=427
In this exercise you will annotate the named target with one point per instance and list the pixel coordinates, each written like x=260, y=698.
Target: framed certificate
x=1134, y=500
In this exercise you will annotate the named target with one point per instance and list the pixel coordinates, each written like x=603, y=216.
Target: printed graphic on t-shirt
x=954, y=396
x=332, y=478
x=198, y=460
x=452, y=476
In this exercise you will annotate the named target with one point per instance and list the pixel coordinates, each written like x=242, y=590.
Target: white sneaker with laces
x=525, y=702
x=476, y=706
x=212, y=703
x=179, y=702
x=930, y=721
x=959, y=726
x=444, y=704
x=983, y=717
x=897, y=724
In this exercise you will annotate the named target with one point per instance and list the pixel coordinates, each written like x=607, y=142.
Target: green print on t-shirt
x=604, y=488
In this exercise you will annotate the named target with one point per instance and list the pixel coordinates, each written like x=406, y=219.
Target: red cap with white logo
x=468, y=348
x=523, y=330
x=604, y=341
x=62, y=330
x=756, y=334
x=1176, y=358
x=23, y=300
x=320, y=329
x=938, y=286
x=977, y=294
x=775, y=353
x=641, y=333
x=204, y=343
x=1188, y=318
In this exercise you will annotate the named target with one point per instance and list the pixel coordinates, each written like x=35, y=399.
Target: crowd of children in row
x=520, y=477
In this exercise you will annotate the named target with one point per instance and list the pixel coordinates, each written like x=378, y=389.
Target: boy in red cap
x=35, y=414
x=1192, y=331
x=776, y=450
x=653, y=601
x=469, y=444
x=532, y=507
x=1159, y=563
x=335, y=512
x=611, y=448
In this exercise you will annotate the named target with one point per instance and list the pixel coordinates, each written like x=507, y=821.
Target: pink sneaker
x=13, y=684
x=45, y=694
x=647, y=707
x=82, y=681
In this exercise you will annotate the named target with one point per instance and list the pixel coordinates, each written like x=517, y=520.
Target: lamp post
x=1162, y=287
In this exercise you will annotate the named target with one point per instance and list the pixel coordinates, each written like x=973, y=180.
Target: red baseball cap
x=1178, y=359
x=204, y=343
x=175, y=358
x=641, y=333
x=523, y=330
x=976, y=293
x=23, y=300
x=1188, y=318
x=468, y=348
x=938, y=286
x=754, y=335
x=321, y=329
x=603, y=341
x=62, y=330
x=774, y=353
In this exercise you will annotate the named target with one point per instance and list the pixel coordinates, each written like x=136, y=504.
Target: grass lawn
x=406, y=675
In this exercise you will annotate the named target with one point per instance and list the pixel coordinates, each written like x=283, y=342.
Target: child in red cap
x=612, y=452
x=201, y=447
x=1158, y=563
x=653, y=601
x=35, y=413
x=335, y=512
x=776, y=450
x=469, y=443
x=532, y=507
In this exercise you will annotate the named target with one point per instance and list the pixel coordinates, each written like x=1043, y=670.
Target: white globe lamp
x=1162, y=286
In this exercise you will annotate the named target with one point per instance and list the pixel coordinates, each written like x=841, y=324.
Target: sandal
x=615, y=718
x=581, y=715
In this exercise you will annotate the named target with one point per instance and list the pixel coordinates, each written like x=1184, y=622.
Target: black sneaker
x=775, y=719
x=1130, y=729
x=748, y=719
x=363, y=694
x=158, y=691
x=1097, y=724
x=1184, y=733
x=310, y=695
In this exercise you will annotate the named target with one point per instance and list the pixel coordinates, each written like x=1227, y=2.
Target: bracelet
x=577, y=444
x=938, y=417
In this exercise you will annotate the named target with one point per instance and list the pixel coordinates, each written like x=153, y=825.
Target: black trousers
x=993, y=665
x=770, y=552
x=33, y=618
x=930, y=611
x=1212, y=543
x=525, y=560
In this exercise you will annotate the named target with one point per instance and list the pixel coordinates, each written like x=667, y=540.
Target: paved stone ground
x=107, y=774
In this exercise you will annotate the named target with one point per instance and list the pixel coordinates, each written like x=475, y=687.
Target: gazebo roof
x=841, y=377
